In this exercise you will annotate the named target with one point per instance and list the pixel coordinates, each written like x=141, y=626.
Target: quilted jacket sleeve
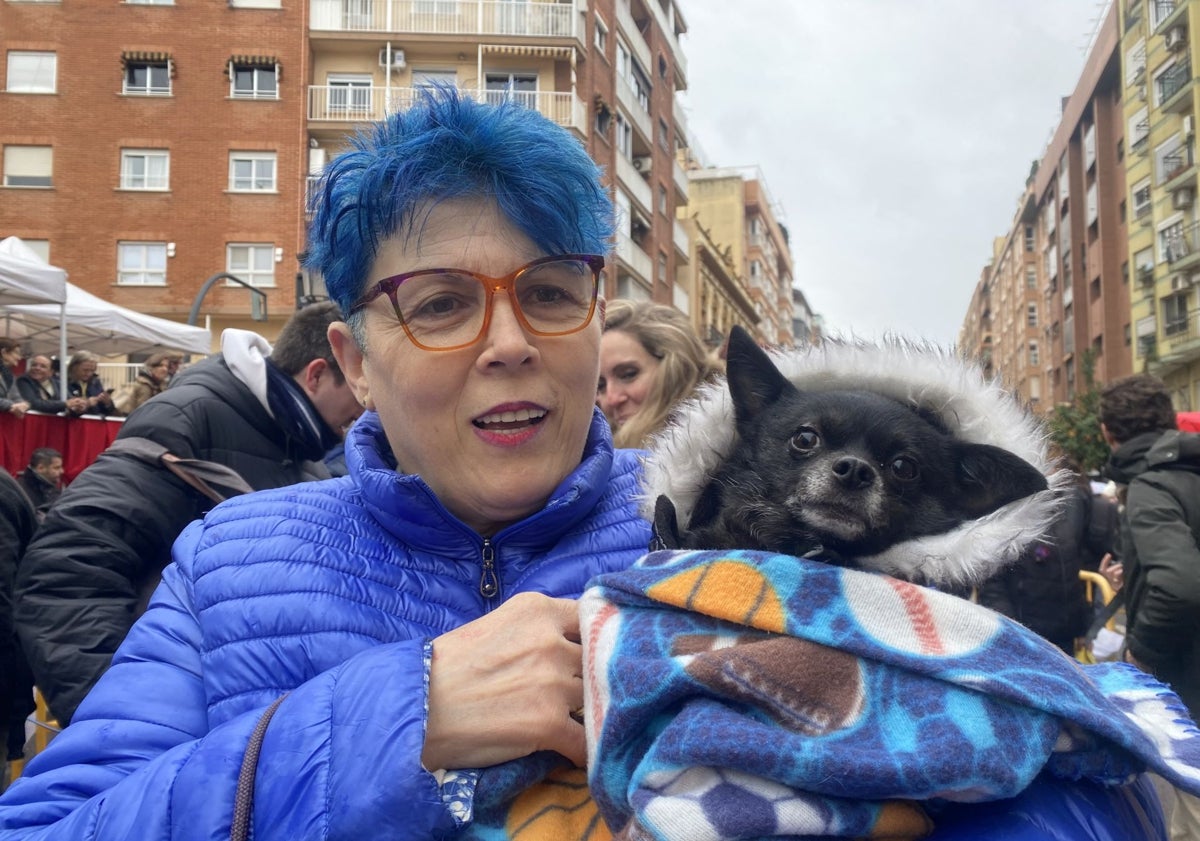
x=341, y=758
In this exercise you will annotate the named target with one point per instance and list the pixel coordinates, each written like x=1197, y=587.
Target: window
x=1174, y=314
x=603, y=119
x=151, y=2
x=255, y=4
x=662, y=269
x=40, y=247
x=1029, y=237
x=30, y=72
x=1141, y=198
x=1033, y=354
x=662, y=199
x=142, y=263
x=349, y=95
x=28, y=166
x=147, y=78
x=520, y=87
x=251, y=262
x=145, y=169
x=664, y=135
x=1031, y=315
x=254, y=81
x=601, y=35
x=1170, y=159
x=624, y=136
x=1031, y=277
x=252, y=172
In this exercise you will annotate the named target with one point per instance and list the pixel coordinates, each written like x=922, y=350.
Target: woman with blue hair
x=354, y=639
x=396, y=653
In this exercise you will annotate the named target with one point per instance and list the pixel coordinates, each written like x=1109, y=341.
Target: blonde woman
x=650, y=360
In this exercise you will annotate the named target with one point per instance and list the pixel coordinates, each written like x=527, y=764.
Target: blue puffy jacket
x=329, y=591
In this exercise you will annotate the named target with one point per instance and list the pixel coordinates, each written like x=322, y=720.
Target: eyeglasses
x=448, y=309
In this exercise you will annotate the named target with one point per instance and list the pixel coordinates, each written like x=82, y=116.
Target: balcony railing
x=341, y=103
x=1181, y=242
x=1173, y=80
x=447, y=17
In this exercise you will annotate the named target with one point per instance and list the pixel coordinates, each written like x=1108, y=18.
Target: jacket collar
x=408, y=508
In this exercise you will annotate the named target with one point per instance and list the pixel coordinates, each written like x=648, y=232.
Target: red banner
x=79, y=439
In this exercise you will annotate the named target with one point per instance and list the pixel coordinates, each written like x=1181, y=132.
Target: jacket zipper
x=489, y=582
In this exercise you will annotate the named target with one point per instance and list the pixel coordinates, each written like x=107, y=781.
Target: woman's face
x=160, y=371
x=10, y=358
x=494, y=427
x=85, y=370
x=38, y=369
x=627, y=371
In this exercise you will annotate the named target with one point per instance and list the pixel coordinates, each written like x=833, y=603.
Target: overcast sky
x=896, y=135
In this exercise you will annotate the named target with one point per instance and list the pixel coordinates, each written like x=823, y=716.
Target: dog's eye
x=806, y=440
x=905, y=469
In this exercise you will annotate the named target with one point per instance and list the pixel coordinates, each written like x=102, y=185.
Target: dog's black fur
x=842, y=474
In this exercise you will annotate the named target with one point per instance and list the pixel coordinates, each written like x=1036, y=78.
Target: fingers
x=503, y=686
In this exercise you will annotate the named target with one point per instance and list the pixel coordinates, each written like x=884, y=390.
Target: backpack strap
x=197, y=473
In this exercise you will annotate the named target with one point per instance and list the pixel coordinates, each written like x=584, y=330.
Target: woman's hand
x=1113, y=571
x=76, y=405
x=504, y=685
x=19, y=409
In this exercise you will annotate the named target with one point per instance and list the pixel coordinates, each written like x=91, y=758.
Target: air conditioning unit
x=642, y=163
x=1179, y=283
x=397, y=59
x=1183, y=198
x=1175, y=37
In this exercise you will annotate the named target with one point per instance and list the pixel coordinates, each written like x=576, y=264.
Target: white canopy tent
x=25, y=278
x=101, y=327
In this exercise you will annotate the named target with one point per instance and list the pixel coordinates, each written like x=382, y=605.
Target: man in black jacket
x=89, y=572
x=1160, y=544
x=17, y=524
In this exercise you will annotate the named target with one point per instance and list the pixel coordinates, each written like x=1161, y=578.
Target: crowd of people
x=216, y=620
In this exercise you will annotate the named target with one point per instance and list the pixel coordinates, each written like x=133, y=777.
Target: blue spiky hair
x=448, y=146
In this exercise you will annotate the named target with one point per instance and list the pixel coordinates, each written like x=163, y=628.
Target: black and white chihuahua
x=840, y=474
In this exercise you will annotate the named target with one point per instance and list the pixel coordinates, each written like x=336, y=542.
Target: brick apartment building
x=150, y=146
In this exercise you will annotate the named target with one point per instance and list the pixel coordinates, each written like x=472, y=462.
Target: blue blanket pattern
x=749, y=694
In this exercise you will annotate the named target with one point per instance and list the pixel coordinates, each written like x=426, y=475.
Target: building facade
x=1158, y=40
x=1057, y=293
x=735, y=211
x=151, y=149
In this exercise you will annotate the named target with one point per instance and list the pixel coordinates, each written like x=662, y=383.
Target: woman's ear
x=350, y=359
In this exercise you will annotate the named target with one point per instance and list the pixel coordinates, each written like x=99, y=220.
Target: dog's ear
x=754, y=381
x=991, y=477
x=666, y=526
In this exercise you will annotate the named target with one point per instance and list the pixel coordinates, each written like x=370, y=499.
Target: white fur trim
x=246, y=353
x=684, y=455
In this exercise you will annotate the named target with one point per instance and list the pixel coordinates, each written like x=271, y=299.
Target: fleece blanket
x=740, y=694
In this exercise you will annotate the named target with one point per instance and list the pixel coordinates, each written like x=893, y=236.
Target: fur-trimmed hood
x=683, y=456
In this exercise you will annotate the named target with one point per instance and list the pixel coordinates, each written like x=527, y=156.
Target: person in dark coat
x=1160, y=544
x=42, y=479
x=84, y=383
x=41, y=389
x=1042, y=590
x=17, y=525
x=10, y=398
x=90, y=571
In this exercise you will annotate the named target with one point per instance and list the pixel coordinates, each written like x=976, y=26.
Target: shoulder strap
x=243, y=800
x=195, y=472
x=1104, y=615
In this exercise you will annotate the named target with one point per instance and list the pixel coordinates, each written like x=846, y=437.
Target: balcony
x=680, y=238
x=635, y=260
x=634, y=184
x=447, y=17
x=1173, y=85
x=340, y=104
x=1181, y=245
x=1141, y=137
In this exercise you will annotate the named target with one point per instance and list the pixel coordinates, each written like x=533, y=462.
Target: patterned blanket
x=749, y=694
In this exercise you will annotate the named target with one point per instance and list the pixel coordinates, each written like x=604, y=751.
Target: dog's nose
x=853, y=473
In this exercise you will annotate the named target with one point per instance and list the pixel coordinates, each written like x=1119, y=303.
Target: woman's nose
x=506, y=338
